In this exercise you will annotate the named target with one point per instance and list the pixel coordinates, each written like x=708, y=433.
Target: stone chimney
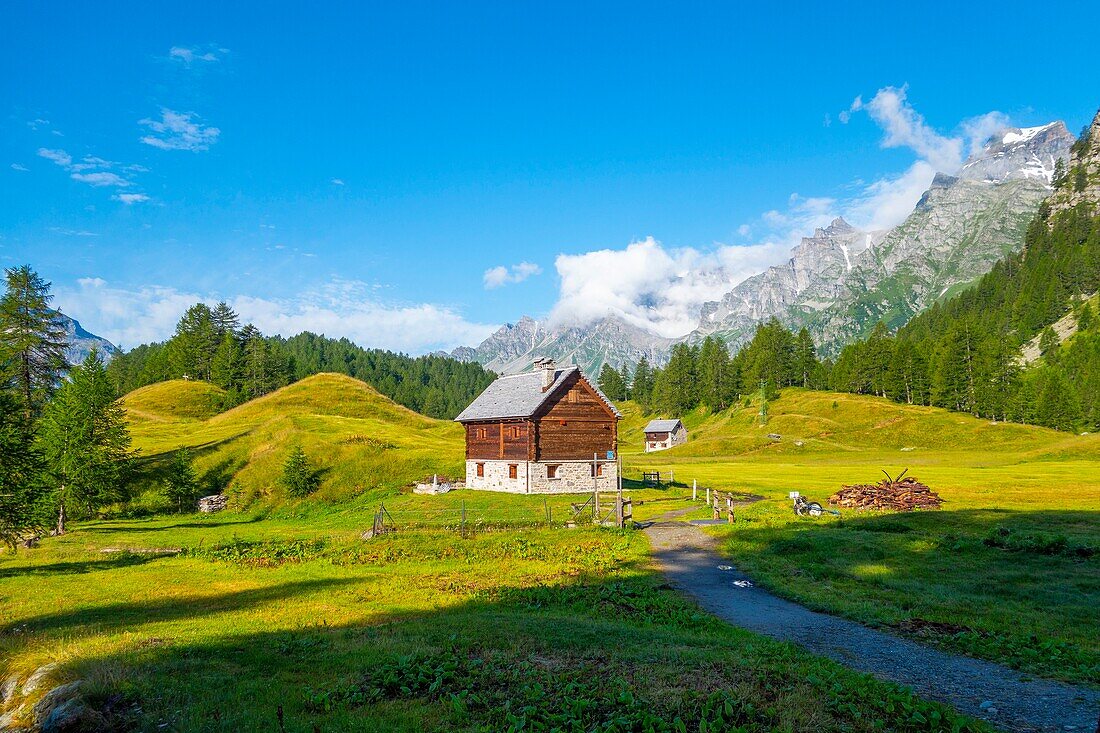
x=548, y=370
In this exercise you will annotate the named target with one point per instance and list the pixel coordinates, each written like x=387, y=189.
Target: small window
x=573, y=396
x=552, y=471
x=513, y=470
x=479, y=433
x=481, y=470
x=597, y=469
x=517, y=431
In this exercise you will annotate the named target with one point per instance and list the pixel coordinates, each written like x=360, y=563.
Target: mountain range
x=81, y=342
x=839, y=281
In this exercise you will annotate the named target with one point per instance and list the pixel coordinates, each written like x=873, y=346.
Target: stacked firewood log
x=903, y=494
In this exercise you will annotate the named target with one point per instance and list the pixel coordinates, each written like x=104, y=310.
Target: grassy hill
x=174, y=400
x=832, y=423
x=357, y=438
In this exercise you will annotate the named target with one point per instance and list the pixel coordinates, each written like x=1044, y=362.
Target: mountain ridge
x=839, y=281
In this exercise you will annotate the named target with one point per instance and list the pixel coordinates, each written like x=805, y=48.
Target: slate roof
x=521, y=395
x=661, y=426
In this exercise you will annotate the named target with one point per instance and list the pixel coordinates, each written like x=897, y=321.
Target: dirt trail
x=689, y=559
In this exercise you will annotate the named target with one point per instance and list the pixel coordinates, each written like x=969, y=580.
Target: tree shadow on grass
x=80, y=567
x=119, y=616
x=597, y=652
x=191, y=524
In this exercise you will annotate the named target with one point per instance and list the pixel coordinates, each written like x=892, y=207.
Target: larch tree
x=299, y=479
x=181, y=485
x=21, y=473
x=805, y=358
x=715, y=390
x=32, y=339
x=85, y=442
x=611, y=383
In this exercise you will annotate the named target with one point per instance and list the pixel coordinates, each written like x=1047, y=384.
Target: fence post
x=708, y=496
x=694, y=490
x=729, y=508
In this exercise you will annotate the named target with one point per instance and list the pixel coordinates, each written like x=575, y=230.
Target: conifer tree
x=196, y=339
x=641, y=388
x=611, y=383
x=21, y=473
x=1048, y=340
x=805, y=358
x=1057, y=406
x=181, y=485
x=675, y=389
x=32, y=340
x=225, y=320
x=1085, y=318
x=299, y=479
x=85, y=442
x=715, y=391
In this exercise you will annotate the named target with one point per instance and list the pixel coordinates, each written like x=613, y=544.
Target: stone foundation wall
x=496, y=476
x=571, y=477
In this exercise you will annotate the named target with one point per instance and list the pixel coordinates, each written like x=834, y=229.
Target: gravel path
x=689, y=559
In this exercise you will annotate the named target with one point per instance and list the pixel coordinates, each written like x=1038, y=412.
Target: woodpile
x=903, y=494
x=215, y=503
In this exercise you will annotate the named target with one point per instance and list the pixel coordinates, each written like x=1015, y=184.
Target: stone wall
x=571, y=477
x=496, y=476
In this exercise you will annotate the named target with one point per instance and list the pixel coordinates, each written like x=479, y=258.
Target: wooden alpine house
x=545, y=431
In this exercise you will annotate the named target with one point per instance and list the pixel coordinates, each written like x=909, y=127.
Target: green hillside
x=357, y=438
x=838, y=424
x=175, y=400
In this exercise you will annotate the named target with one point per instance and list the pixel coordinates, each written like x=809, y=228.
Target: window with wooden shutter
x=517, y=431
x=481, y=470
x=552, y=471
x=513, y=470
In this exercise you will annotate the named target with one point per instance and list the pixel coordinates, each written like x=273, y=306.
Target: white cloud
x=179, y=131
x=341, y=308
x=73, y=232
x=95, y=171
x=500, y=275
x=60, y=157
x=663, y=289
x=19, y=167
x=652, y=287
x=130, y=198
x=337, y=182
x=887, y=201
x=188, y=55
x=904, y=127
x=100, y=178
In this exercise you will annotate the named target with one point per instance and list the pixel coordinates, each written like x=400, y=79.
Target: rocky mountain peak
x=81, y=342
x=1020, y=152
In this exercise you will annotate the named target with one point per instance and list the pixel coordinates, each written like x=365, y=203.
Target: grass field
x=277, y=615
x=1008, y=570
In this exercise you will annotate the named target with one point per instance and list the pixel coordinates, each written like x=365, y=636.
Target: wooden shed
x=549, y=430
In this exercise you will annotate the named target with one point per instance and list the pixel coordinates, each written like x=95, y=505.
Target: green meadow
x=278, y=615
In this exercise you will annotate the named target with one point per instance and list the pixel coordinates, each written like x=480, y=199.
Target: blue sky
x=412, y=175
